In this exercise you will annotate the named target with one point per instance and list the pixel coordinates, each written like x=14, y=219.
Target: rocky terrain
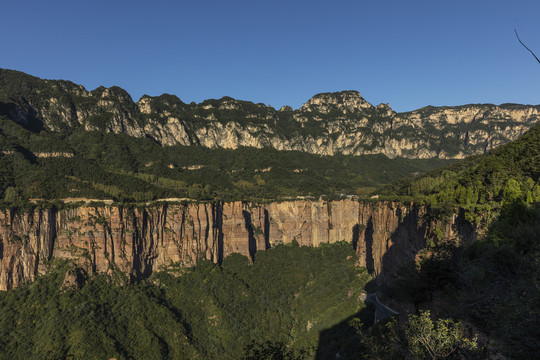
x=326, y=124
x=138, y=241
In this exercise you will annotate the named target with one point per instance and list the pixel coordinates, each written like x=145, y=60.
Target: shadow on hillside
x=506, y=258
x=341, y=341
x=22, y=115
x=370, y=262
x=383, y=252
x=252, y=242
x=404, y=243
x=411, y=236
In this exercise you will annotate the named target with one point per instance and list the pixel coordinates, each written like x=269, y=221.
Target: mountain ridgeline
x=328, y=124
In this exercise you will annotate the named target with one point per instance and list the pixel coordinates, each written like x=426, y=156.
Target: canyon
x=140, y=240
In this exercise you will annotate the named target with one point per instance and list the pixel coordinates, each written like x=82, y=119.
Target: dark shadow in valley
x=370, y=262
x=28, y=155
x=52, y=233
x=23, y=115
x=217, y=229
x=252, y=243
x=341, y=341
x=137, y=246
x=411, y=236
x=355, y=235
x=405, y=242
x=266, y=230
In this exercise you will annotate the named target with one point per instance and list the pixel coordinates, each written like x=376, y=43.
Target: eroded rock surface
x=138, y=241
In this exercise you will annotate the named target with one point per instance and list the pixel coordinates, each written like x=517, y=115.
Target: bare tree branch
x=521, y=42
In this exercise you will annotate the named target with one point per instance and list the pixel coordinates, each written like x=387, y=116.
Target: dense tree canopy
x=278, y=305
x=110, y=166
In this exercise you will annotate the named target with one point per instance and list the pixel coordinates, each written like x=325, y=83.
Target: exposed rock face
x=391, y=234
x=327, y=124
x=140, y=241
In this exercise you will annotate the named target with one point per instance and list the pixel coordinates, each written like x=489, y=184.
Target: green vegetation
x=417, y=338
x=479, y=184
x=277, y=307
x=108, y=166
x=493, y=283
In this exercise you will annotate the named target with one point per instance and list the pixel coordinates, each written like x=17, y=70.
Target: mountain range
x=327, y=124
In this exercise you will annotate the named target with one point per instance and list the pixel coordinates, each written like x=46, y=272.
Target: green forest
x=277, y=307
x=493, y=283
x=101, y=165
x=292, y=303
x=478, y=184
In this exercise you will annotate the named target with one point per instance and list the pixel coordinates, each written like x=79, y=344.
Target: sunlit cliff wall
x=138, y=241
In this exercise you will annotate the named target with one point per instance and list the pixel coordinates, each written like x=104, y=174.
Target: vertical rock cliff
x=138, y=241
x=392, y=233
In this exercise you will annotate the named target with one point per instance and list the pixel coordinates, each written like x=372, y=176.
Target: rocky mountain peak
x=144, y=104
x=229, y=103
x=286, y=108
x=385, y=110
x=344, y=101
x=115, y=93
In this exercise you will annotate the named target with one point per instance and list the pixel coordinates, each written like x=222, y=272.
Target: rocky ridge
x=327, y=124
x=138, y=241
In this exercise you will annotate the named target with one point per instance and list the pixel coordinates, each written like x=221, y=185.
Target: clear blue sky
x=407, y=53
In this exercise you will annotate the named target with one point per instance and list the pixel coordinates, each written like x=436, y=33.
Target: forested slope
x=93, y=164
x=493, y=283
x=480, y=183
x=272, y=309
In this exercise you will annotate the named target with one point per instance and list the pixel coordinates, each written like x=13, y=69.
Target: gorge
x=104, y=202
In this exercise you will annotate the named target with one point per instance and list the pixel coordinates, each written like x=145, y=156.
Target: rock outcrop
x=138, y=241
x=327, y=124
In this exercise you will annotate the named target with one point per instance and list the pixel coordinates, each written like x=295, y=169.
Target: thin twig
x=521, y=42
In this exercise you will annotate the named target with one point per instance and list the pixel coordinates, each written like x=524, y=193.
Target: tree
x=426, y=339
x=12, y=195
x=512, y=191
x=521, y=42
x=418, y=338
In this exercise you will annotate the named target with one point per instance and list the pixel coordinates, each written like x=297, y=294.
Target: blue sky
x=406, y=53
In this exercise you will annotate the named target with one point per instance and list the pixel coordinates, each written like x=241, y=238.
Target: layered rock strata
x=138, y=241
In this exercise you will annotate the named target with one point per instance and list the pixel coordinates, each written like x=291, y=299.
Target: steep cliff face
x=327, y=124
x=141, y=240
x=392, y=233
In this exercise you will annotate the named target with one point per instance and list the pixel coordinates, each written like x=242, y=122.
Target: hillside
x=480, y=183
x=492, y=283
x=275, y=307
x=96, y=165
x=327, y=124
